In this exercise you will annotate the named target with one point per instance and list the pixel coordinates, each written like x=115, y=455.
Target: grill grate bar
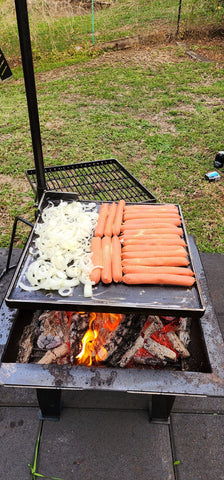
x=102, y=180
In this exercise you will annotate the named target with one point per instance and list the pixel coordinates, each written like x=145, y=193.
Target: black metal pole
x=160, y=407
x=178, y=19
x=49, y=402
x=27, y=60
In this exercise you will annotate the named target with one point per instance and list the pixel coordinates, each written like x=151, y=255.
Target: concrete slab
x=128, y=401
x=213, y=265
x=87, y=444
x=18, y=397
x=106, y=400
x=199, y=405
x=198, y=446
x=18, y=434
x=23, y=397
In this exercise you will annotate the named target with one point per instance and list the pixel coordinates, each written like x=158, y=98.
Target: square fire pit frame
x=161, y=385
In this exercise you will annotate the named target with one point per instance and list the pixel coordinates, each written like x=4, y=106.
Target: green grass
x=162, y=120
x=60, y=35
x=164, y=123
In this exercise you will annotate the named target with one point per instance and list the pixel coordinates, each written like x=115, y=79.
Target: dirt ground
x=176, y=51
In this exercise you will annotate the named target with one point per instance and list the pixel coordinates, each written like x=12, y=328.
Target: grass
x=160, y=116
x=59, y=32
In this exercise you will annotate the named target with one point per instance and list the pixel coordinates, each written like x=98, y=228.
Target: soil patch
x=20, y=184
x=146, y=56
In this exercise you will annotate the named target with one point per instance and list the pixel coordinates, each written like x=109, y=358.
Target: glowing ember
x=111, y=321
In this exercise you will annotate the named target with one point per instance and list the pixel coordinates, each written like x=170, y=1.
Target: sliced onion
x=63, y=246
x=65, y=292
x=88, y=290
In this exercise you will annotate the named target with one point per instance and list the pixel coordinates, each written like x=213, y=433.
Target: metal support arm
x=27, y=60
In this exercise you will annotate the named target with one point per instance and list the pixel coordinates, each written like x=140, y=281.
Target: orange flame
x=112, y=321
x=100, y=325
x=85, y=356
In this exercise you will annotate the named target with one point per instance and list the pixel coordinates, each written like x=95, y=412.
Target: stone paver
x=199, y=447
x=18, y=434
x=105, y=444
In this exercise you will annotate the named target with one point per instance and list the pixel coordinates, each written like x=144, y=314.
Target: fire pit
x=105, y=339
x=203, y=376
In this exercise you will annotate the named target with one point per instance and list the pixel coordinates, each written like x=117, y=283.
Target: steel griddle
x=153, y=299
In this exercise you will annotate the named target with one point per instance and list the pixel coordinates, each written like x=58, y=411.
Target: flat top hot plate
x=153, y=299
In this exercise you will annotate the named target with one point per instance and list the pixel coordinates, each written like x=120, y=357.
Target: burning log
x=177, y=344
x=131, y=352
x=122, y=339
x=79, y=323
x=144, y=358
x=150, y=362
x=160, y=351
x=154, y=325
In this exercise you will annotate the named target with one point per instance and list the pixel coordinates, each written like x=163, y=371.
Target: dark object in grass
x=5, y=71
x=219, y=160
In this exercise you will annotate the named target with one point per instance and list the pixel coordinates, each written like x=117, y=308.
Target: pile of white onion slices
x=62, y=249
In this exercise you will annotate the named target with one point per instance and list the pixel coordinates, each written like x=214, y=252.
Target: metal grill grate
x=101, y=180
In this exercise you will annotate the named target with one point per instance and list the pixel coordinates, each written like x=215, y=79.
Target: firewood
x=25, y=349
x=54, y=329
x=122, y=339
x=153, y=362
x=177, y=344
x=130, y=353
x=27, y=340
x=159, y=351
x=78, y=328
x=52, y=355
x=155, y=325
x=184, y=331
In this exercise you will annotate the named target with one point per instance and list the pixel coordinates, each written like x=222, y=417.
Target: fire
x=100, y=325
x=85, y=356
x=111, y=320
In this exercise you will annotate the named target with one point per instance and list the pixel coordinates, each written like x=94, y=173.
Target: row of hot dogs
x=140, y=244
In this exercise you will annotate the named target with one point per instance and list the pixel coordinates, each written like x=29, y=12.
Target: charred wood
x=122, y=339
x=131, y=352
x=78, y=328
x=159, y=351
x=153, y=362
x=184, y=331
x=27, y=339
x=177, y=344
x=54, y=329
x=155, y=325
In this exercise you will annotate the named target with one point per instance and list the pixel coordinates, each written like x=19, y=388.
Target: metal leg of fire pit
x=160, y=407
x=49, y=403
